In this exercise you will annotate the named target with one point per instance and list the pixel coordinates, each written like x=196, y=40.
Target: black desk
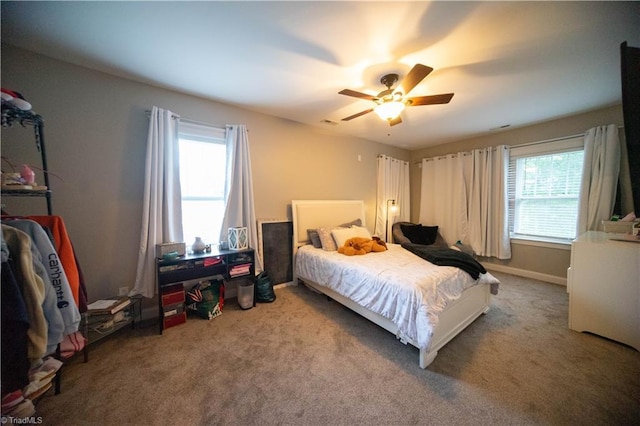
x=171, y=274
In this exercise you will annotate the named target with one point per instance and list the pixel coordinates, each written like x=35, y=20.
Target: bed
x=420, y=303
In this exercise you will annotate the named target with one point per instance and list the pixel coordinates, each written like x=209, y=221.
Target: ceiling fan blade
x=415, y=76
x=349, y=92
x=351, y=117
x=395, y=121
x=430, y=100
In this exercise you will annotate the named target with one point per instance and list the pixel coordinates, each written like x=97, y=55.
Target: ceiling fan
x=391, y=102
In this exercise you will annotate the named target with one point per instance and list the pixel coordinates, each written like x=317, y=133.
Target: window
x=544, y=189
x=202, y=180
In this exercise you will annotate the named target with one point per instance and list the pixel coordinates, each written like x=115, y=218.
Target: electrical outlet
x=123, y=291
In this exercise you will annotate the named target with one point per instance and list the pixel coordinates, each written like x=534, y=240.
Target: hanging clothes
x=13, y=329
x=32, y=289
x=63, y=308
x=52, y=315
x=40, y=305
x=64, y=248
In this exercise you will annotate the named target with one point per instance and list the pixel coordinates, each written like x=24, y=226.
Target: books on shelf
x=109, y=306
x=238, y=270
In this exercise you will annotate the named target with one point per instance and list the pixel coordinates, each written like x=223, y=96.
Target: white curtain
x=443, y=198
x=392, y=184
x=161, y=204
x=488, y=208
x=599, y=177
x=465, y=194
x=239, y=209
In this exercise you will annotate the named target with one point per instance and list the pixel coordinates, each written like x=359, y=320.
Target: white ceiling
x=508, y=63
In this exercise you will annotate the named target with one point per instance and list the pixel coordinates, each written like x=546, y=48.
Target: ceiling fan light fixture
x=391, y=102
x=389, y=110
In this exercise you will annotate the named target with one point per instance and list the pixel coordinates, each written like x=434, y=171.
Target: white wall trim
x=527, y=274
x=542, y=243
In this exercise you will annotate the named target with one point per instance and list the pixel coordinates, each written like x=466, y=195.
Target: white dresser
x=603, y=282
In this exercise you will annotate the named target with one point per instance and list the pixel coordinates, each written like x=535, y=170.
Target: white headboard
x=312, y=214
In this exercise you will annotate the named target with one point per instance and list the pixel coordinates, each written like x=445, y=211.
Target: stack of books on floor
x=103, y=316
x=239, y=270
x=108, y=306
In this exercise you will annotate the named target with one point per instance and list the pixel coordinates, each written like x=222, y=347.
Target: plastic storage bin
x=245, y=294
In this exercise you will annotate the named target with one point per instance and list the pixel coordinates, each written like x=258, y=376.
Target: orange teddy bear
x=360, y=245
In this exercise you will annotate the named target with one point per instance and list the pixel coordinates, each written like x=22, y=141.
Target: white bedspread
x=396, y=284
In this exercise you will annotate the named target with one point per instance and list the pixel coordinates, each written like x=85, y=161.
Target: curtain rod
x=391, y=158
x=550, y=140
x=464, y=153
x=202, y=123
x=187, y=120
x=523, y=144
x=556, y=139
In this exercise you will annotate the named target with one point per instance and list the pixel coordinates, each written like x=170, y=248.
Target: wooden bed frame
x=312, y=214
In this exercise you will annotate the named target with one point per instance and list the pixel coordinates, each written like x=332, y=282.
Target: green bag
x=264, y=288
x=212, y=299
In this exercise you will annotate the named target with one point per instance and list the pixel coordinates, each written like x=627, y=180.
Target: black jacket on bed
x=447, y=257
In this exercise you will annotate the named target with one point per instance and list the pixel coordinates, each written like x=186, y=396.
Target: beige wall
x=96, y=129
x=543, y=262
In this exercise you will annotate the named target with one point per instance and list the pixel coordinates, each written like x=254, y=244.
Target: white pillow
x=341, y=235
x=361, y=231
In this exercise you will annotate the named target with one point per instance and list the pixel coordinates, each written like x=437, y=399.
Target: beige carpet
x=304, y=360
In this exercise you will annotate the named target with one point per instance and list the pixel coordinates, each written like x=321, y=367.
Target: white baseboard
x=287, y=284
x=524, y=273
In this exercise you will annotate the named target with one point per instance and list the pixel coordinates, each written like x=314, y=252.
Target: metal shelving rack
x=11, y=116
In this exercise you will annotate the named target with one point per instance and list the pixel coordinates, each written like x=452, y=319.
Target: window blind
x=544, y=188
